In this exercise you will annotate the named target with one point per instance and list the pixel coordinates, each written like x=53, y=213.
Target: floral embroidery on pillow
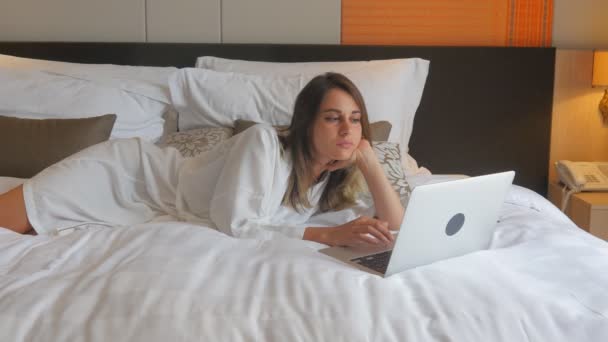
x=389, y=156
x=193, y=142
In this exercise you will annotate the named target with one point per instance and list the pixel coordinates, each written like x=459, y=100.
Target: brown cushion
x=27, y=146
x=380, y=129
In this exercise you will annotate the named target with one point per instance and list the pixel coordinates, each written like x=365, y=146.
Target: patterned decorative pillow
x=389, y=156
x=193, y=142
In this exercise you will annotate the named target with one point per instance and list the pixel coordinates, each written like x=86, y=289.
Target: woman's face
x=337, y=127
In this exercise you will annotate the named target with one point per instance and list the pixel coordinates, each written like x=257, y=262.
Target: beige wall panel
x=72, y=20
x=580, y=24
x=281, y=21
x=184, y=21
x=577, y=132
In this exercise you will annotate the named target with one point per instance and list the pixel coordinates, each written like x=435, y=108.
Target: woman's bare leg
x=12, y=211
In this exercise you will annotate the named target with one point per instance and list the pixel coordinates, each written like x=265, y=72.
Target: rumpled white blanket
x=543, y=279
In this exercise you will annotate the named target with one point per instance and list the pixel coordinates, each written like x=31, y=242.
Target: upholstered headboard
x=484, y=109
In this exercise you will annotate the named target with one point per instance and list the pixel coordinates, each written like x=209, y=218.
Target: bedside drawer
x=589, y=210
x=589, y=215
x=599, y=223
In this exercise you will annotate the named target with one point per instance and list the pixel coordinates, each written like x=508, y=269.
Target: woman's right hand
x=363, y=230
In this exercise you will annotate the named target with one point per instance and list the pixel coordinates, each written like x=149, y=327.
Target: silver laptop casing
x=423, y=237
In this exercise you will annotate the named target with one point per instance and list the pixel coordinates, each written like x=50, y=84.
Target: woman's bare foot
x=12, y=211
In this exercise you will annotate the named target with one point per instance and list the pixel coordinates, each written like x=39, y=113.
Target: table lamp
x=600, y=78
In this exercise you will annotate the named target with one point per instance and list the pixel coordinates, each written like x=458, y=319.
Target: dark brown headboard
x=484, y=109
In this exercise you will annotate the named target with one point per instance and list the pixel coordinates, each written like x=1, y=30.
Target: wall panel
x=73, y=20
x=581, y=24
x=184, y=21
x=281, y=21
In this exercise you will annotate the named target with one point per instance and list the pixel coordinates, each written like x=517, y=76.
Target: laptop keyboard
x=377, y=262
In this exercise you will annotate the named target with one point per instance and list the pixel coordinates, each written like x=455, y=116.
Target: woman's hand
x=363, y=151
x=364, y=230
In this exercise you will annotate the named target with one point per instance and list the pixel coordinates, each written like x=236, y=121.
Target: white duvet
x=543, y=279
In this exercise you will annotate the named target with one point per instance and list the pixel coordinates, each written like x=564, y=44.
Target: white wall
x=580, y=24
x=73, y=20
x=577, y=130
x=184, y=21
x=196, y=21
x=281, y=21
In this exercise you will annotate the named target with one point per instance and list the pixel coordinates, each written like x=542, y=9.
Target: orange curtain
x=447, y=22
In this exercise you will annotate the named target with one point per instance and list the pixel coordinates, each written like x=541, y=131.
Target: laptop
x=441, y=220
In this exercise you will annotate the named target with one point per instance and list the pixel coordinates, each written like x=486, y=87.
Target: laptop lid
x=449, y=219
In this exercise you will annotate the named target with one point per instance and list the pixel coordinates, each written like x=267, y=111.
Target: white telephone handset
x=582, y=176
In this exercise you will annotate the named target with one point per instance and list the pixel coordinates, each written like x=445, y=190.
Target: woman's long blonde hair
x=343, y=185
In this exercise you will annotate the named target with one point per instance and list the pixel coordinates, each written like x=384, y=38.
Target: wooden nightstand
x=589, y=210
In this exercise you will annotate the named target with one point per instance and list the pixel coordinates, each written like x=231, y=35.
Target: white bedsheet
x=542, y=280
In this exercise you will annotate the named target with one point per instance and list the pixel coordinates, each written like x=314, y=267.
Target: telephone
x=582, y=176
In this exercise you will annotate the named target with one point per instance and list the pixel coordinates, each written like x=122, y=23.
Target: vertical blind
x=447, y=22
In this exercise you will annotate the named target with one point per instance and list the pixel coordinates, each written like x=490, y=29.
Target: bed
x=482, y=110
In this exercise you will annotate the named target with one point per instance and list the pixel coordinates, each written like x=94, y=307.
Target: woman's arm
x=361, y=230
x=389, y=210
x=386, y=201
x=12, y=211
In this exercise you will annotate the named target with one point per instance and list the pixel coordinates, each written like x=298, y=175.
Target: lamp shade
x=600, y=68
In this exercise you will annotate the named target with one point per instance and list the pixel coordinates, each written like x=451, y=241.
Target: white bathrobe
x=237, y=187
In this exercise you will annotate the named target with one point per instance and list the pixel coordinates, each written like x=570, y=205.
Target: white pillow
x=8, y=183
x=410, y=165
x=286, y=69
x=39, y=94
x=143, y=80
x=391, y=89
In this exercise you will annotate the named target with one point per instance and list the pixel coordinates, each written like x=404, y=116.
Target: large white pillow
x=391, y=89
x=296, y=68
x=41, y=94
x=143, y=80
x=292, y=68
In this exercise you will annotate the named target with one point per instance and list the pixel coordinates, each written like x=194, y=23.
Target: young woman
x=262, y=183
